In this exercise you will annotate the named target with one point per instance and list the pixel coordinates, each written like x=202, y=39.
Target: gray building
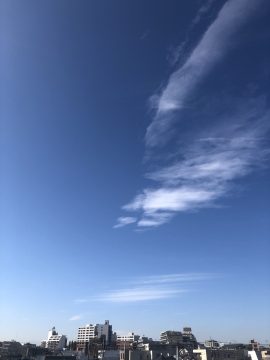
x=222, y=354
x=170, y=337
x=213, y=344
x=10, y=349
x=104, y=331
x=183, y=339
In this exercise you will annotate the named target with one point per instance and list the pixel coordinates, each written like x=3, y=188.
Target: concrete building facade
x=89, y=333
x=171, y=337
x=130, y=337
x=54, y=341
x=104, y=330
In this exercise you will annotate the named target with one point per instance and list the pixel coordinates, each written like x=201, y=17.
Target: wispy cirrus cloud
x=215, y=43
x=227, y=149
x=154, y=287
x=125, y=220
x=176, y=278
x=203, y=10
x=140, y=294
x=180, y=50
x=204, y=172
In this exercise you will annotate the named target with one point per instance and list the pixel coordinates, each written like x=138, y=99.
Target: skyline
x=134, y=162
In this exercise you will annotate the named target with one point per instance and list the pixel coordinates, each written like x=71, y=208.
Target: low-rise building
x=184, y=339
x=127, y=341
x=265, y=354
x=225, y=354
x=254, y=345
x=130, y=337
x=10, y=349
x=54, y=341
x=213, y=344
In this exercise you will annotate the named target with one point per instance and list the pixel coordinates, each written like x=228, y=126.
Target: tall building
x=85, y=335
x=89, y=332
x=104, y=331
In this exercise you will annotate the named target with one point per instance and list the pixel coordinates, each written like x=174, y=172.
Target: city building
x=184, y=339
x=104, y=331
x=113, y=354
x=221, y=354
x=54, y=341
x=189, y=340
x=254, y=345
x=126, y=341
x=265, y=354
x=213, y=344
x=130, y=337
x=85, y=333
x=89, y=333
x=11, y=348
x=171, y=337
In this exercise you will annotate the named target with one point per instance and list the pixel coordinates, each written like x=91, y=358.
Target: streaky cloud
x=212, y=48
x=154, y=219
x=229, y=148
x=202, y=11
x=153, y=287
x=171, y=199
x=180, y=50
x=175, y=278
x=124, y=220
x=140, y=294
x=206, y=170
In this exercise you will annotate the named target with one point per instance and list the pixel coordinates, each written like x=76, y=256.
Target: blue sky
x=134, y=167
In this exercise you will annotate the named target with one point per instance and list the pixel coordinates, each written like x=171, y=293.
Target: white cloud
x=216, y=156
x=205, y=170
x=159, y=205
x=154, y=287
x=124, y=220
x=75, y=317
x=172, y=199
x=180, y=50
x=223, y=165
x=202, y=11
x=211, y=49
x=154, y=219
x=174, y=278
x=140, y=294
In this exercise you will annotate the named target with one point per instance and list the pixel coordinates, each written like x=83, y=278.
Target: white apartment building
x=130, y=337
x=89, y=332
x=85, y=333
x=55, y=341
